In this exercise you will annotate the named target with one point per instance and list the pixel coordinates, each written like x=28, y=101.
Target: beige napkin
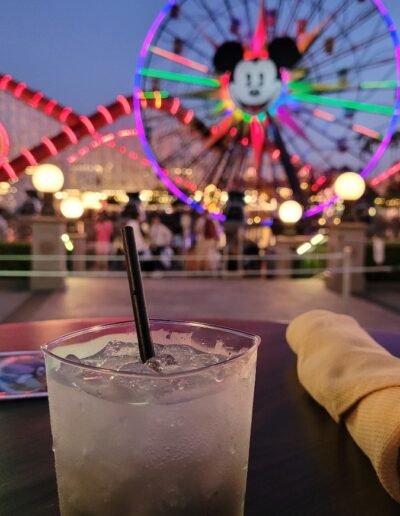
x=357, y=381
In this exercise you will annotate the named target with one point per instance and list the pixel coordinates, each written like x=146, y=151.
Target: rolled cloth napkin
x=357, y=381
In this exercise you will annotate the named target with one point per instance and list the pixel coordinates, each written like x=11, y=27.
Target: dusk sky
x=81, y=52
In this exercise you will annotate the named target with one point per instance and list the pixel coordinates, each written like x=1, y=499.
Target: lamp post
x=349, y=187
x=72, y=209
x=48, y=179
x=289, y=213
x=350, y=233
x=47, y=230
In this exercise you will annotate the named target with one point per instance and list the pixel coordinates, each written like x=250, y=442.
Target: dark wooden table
x=301, y=461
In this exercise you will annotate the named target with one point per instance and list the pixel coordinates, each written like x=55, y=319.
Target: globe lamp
x=290, y=212
x=48, y=179
x=72, y=208
x=349, y=186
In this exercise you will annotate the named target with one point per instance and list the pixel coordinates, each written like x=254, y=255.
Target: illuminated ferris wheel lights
x=343, y=103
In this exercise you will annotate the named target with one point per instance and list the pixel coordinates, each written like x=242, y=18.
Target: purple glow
x=393, y=122
x=312, y=211
x=138, y=117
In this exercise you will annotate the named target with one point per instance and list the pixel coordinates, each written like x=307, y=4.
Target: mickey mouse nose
x=254, y=93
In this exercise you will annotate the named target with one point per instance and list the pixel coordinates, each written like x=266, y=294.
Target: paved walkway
x=255, y=299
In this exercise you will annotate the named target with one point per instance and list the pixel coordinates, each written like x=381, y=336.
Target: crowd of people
x=180, y=240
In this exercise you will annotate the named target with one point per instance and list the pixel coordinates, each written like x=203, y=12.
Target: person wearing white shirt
x=160, y=241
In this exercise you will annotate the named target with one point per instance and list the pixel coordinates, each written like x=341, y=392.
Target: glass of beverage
x=169, y=437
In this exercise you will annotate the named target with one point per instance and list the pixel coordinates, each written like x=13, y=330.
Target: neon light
x=19, y=89
x=175, y=106
x=71, y=135
x=324, y=115
x=343, y=103
x=180, y=77
x=50, y=145
x=4, y=144
x=188, y=117
x=4, y=81
x=122, y=149
x=133, y=155
x=36, y=99
x=125, y=133
x=276, y=154
x=107, y=138
x=83, y=150
x=10, y=171
x=125, y=104
x=367, y=132
x=158, y=100
x=260, y=35
x=88, y=124
x=139, y=122
x=385, y=174
x=179, y=59
x=65, y=114
x=153, y=94
x=50, y=106
x=30, y=158
x=378, y=85
x=105, y=112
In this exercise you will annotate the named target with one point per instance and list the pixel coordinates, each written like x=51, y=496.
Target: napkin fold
x=357, y=381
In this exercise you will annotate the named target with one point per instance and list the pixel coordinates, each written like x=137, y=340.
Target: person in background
x=206, y=253
x=3, y=226
x=104, y=229
x=160, y=243
x=141, y=244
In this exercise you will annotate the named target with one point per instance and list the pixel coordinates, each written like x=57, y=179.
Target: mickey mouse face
x=254, y=85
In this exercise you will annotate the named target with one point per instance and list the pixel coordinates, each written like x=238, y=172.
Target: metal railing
x=265, y=265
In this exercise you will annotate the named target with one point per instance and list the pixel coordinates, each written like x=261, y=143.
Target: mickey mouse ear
x=284, y=52
x=227, y=56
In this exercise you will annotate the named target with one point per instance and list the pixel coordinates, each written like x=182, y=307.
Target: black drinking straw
x=146, y=347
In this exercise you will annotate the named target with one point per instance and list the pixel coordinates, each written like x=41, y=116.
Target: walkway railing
x=267, y=265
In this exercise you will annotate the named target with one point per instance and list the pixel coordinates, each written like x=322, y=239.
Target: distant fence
x=267, y=265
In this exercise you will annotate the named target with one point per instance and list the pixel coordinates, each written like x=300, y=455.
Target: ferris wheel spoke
x=176, y=58
x=211, y=175
x=286, y=162
x=310, y=124
x=180, y=77
x=223, y=165
x=292, y=17
x=351, y=49
x=176, y=153
x=357, y=128
x=248, y=20
x=286, y=118
x=340, y=86
x=191, y=46
x=343, y=32
x=236, y=171
x=213, y=18
x=358, y=68
x=343, y=103
x=203, y=33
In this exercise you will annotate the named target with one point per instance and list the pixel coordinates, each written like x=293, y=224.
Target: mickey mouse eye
x=248, y=79
x=261, y=79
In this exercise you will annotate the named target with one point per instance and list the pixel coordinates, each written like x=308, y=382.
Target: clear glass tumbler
x=151, y=443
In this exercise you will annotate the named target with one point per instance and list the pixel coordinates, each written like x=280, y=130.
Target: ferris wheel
x=239, y=94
